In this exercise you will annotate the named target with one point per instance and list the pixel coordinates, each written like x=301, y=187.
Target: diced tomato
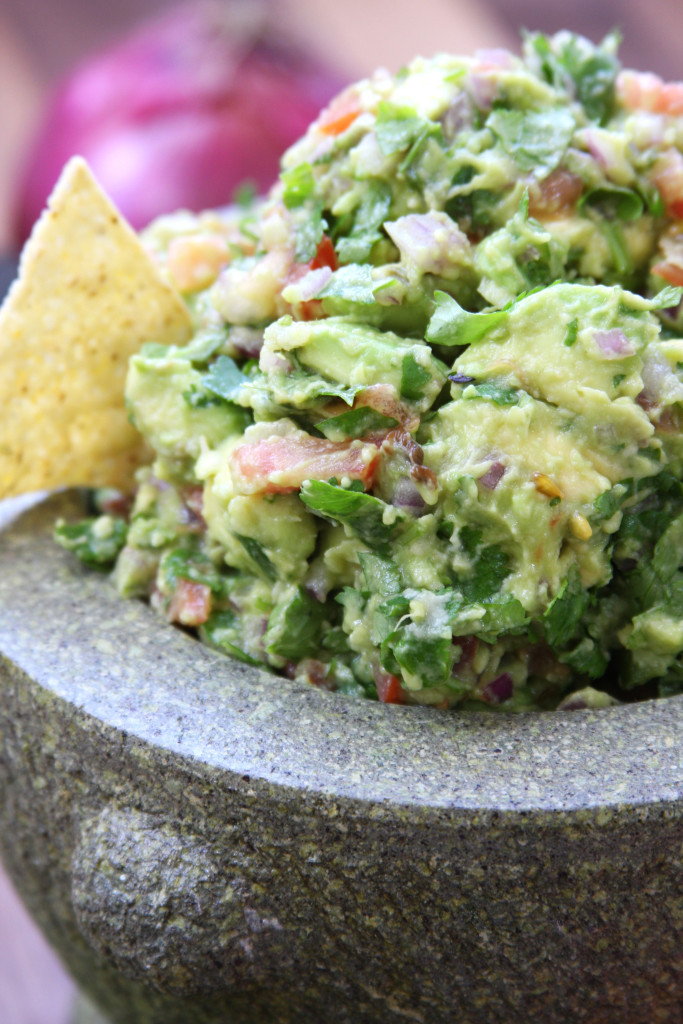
x=667, y=175
x=190, y=604
x=340, y=114
x=325, y=255
x=389, y=689
x=279, y=465
x=670, y=272
x=638, y=90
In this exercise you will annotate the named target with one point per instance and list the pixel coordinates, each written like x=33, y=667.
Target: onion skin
x=179, y=114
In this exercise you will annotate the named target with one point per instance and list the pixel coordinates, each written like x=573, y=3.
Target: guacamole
x=425, y=443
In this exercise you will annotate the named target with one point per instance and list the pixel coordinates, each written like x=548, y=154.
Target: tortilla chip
x=86, y=298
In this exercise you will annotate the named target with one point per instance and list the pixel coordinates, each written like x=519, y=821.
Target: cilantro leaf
x=362, y=513
x=414, y=378
x=95, y=540
x=222, y=631
x=369, y=216
x=564, y=613
x=348, y=287
x=613, y=201
x=294, y=625
x=298, y=185
x=257, y=553
x=497, y=393
x=450, y=324
x=421, y=651
x=224, y=379
x=586, y=658
x=401, y=128
x=190, y=564
x=355, y=423
x=536, y=140
x=382, y=576
x=587, y=72
x=309, y=226
x=572, y=332
x=491, y=567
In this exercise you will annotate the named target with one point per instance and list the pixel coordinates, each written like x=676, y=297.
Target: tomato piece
x=325, y=255
x=190, y=604
x=641, y=90
x=279, y=465
x=667, y=175
x=670, y=272
x=389, y=689
x=340, y=114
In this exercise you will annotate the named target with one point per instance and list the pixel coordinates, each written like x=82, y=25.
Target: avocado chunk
x=359, y=355
x=169, y=406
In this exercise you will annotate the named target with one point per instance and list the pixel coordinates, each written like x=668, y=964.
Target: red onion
x=246, y=341
x=499, y=689
x=495, y=58
x=492, y=476
x=407, y=497
x=661, y=385
x=614, y=344
x=180, y=113
x=431, y=240
x=482, y=88
x=459, y=115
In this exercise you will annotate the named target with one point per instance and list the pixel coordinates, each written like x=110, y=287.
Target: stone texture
x=205, y=843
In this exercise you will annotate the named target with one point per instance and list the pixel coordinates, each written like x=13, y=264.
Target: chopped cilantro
x=298, y=185
x=95, y=540
x=363, y=514
x=572, y=332
x=414, y=378
x=294, y=625
x=535, y=139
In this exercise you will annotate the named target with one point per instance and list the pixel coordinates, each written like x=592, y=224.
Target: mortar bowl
x=205, y=843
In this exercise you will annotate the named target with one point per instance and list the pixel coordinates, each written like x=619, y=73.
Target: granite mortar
x=204, y=843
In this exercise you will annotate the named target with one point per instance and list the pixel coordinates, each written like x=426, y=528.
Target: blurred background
x=177, y=111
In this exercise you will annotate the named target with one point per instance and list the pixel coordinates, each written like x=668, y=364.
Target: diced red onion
x=273, y=362
x=495, y=58
x=492, y=476
x=614, y=344
x=459, y=115
x=460, y=378
x=482, y=88
x=599, y=146
x=499, y=689
x=180, y=113
x=468, y=648
x=407, y=497
x=660, y=383
x=313, y=282
x=246, y=341
x=317, y=582
x=431, y=240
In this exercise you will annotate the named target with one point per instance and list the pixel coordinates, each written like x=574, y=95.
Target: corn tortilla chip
x=86, y=298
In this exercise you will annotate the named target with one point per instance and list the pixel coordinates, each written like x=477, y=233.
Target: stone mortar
x=204, y=843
